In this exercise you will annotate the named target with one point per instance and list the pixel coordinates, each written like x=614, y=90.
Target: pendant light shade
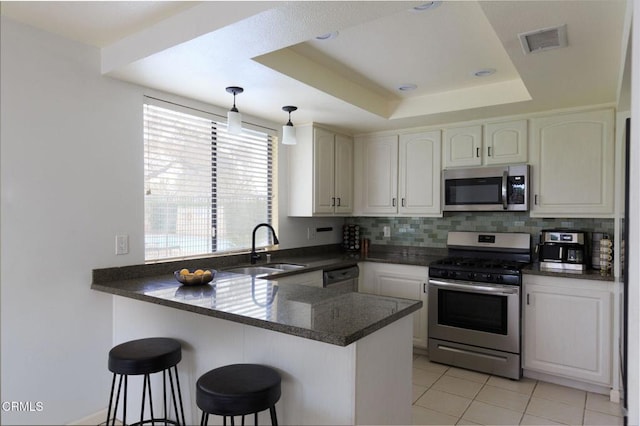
x=234, y=118
x=288, y=131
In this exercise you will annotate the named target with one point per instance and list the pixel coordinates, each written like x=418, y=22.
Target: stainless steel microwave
x=501, y=188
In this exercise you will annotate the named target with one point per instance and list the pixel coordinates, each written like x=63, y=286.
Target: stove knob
x=499, y=278
x=453, y=274
x=471, y=275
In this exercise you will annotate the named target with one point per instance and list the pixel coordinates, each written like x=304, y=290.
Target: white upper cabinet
x=320, y=173
x=505, y=142
x=572, y=158
x=419, y=174
x=376, y=175
x=343, y=189
x=463, y=146
x=397, y=176
x=488, y=144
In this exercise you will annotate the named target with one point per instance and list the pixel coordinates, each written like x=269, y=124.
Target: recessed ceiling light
x=426, y=6
x=327, y=36
x=407, y=87
x=484, y=72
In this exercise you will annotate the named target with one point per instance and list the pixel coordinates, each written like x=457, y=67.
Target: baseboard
x=419, y=350
x=589, y=387
x=95, y=419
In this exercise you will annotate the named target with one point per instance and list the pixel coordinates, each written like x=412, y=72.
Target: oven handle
x=505, y=176
x=476, y=288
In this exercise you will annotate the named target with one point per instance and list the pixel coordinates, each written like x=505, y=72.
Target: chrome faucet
x=255, y=256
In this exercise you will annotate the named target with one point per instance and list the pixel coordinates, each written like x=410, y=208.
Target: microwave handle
x=505, y=175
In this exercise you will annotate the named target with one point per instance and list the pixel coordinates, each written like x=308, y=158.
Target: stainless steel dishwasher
x=344, y=278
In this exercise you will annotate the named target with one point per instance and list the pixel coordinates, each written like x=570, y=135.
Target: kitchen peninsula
x=345, y=358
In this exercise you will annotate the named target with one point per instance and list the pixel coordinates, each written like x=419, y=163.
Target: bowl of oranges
x=197, y=277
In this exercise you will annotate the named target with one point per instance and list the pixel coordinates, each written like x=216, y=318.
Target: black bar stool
x=145, y=357
x=238, y=390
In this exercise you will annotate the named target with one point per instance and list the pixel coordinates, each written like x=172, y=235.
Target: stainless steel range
x=474, y=302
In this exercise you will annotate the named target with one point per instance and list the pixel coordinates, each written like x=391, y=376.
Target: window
x=205, y=189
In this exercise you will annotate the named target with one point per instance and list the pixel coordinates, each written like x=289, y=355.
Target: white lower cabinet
x=568, y=328
x=404, y=281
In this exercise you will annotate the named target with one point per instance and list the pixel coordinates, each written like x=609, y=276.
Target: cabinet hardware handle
x=403, y=203
x=333, y=201
x=338, y=201
x=528, y=299
x=535, y=199
x=393, y=202
x=478, y=152
x=424, y=287
x=489, y=151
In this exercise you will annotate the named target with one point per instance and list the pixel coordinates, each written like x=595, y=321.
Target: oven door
x=478, y=314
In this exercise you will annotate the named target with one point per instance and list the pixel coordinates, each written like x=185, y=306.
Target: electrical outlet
x=311, y=233
x=386, y=231
x=122, y=244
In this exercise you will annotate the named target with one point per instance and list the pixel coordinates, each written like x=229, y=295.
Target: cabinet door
x=573, y=162
x=463, y=146
x=378, y=175
x=419, y=174
x=324, y=173
x=408, y=282
x=343, y=174
x=567, y=332
x=506, y=142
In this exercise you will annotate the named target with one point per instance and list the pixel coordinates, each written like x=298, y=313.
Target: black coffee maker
x=563, y=249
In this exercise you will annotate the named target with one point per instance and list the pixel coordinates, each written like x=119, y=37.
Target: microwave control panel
x=516, y=185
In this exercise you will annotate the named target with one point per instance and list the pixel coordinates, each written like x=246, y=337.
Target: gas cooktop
x=482, y=257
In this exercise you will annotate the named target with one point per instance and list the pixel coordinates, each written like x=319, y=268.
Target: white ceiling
x=196, y=49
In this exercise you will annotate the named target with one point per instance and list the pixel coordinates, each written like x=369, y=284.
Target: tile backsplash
x=432, y=232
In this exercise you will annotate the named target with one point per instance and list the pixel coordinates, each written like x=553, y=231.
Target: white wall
x=71, y=179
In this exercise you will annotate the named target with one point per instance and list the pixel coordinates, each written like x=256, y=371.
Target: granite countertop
x=322, y=314
x=589, y=274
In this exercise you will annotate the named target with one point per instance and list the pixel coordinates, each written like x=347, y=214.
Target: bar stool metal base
x=145, y=357
x=238, y=390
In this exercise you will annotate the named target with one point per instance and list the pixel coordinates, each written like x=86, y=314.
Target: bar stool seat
x=238, y=390
x=145, y=357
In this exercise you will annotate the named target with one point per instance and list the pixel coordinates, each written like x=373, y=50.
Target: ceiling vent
x=544, y=39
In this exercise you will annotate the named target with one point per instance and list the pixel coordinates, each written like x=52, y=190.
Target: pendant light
x=234, y=118
x=288, y=131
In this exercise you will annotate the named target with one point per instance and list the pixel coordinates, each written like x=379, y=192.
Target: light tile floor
x=444, y=395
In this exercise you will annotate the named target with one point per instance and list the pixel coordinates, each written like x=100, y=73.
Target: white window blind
x=205, y=189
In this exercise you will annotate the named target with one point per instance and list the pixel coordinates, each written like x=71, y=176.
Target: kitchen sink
x=254, y=270
x=262, y=270
x=284, y=266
